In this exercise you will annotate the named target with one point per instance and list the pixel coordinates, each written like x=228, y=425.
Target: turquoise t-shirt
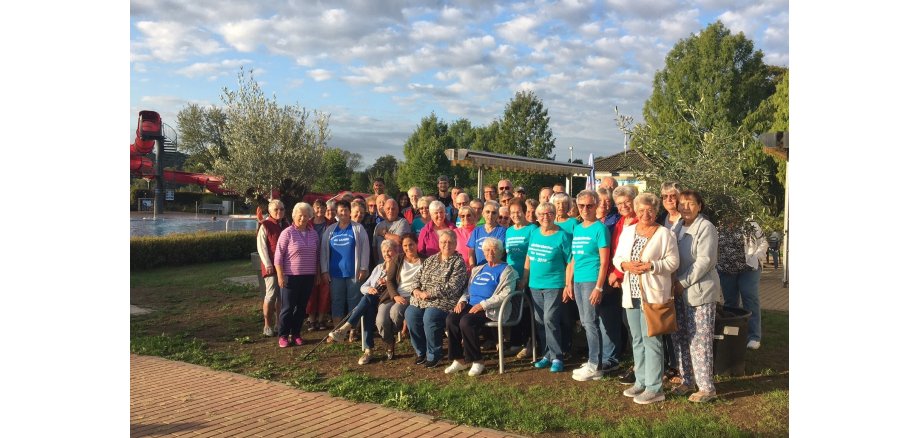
x=548, y=256
x=516, y=242
x=568, y=225
x=586, y=244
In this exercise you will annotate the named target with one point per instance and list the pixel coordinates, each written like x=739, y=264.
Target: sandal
x=702, y=397
x=681, y=390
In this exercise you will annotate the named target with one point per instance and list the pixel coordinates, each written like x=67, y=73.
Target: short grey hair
x=274, y=204
x=586, y=193
x=465, y=208
x=547, y=207
x=495, y=243
x=629, y=191
x=304, y=208
x=435, y=206
x=566, y=201
x=387, y=244
x=670, y=185
x=448, y=232
x=649, y=199
x=492, y=203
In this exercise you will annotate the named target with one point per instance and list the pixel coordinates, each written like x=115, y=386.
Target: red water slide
x=149, y=130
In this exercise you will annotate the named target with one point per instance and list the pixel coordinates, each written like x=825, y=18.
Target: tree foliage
x=700, y=101
x=201, y=136
x=269, y=145
x=425, y=158
x=524, y=131
x=335, y=175
x=385, y=167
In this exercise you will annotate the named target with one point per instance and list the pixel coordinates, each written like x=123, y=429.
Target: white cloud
x=171, y=41
x=646, y=9
x=426, y=31
x=211, y=68
x=518, y=30
x=320, y=75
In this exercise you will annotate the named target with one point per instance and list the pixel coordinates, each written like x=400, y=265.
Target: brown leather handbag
x=661, y=319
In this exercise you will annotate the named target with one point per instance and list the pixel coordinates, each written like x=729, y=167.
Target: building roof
x=491, y=160
x=626, y=161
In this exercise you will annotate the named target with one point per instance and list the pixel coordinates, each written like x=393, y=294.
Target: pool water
x=162, y=226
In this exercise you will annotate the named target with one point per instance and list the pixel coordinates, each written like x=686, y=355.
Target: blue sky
x=378, y=67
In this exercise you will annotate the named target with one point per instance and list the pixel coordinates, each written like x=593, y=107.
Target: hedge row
x=187, y=249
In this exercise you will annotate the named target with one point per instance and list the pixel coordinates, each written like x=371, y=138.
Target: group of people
x=443, y=264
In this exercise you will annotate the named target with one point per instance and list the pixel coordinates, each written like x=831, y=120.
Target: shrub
x=187, y=249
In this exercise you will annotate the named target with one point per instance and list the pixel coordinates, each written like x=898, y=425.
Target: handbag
x=661, y=319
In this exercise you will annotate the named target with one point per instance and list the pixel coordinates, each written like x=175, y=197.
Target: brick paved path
x=773, y=296
x=171, y=398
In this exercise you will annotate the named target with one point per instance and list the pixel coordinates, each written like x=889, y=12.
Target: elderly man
x=489, y=193
x=462, y=200
x=520, y=193
x=608, y=183
x=505, y=198
x=266, y=242
x=392, y=227
x=558, y=188
x=411, y=212
x=545, y=193
x=476, y=206
x=504, y=186
x=380, y=200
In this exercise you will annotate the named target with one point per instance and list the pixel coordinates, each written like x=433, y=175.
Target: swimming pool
x=165, y=225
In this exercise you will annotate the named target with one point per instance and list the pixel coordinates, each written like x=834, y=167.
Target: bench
x=219, y=208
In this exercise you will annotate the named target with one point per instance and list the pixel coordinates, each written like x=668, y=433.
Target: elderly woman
x=548, y=254
x=606, y=213
x=647, y=254
x=423, y=216
x=490, y=228
x=295, y=264
x=696, y=291
x=589, y=265
x=563, y=204
x=740, y=251
x=530, y=214
x=489, y=284
x=670, y=192
x=464, y=231
x=402, y=279
x=374, y=292
x=504, y=216
x=428, y=240
x=440, y=284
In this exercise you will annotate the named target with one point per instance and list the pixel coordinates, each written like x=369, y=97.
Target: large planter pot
x=730, y=341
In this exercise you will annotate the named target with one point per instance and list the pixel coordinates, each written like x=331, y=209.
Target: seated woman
x=647, y=254
x=440, y=284
x=374, y=292
x=489, y=284
x=402, y=279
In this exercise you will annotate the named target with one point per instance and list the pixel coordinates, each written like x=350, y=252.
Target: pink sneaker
x=298, y=341
x=283, y=342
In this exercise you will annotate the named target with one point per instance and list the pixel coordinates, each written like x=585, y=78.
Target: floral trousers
x=693, y=343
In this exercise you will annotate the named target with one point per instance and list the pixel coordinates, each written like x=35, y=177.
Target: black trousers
x=463, y=334
x=294, y=297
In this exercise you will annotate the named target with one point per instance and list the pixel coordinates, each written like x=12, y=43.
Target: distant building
x=623, y=167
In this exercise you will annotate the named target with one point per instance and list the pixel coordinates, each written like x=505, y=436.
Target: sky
x=378, y=67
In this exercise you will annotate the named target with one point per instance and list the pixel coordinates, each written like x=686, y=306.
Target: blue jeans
x=747, y=284
x=648, y=352
x=367, y=310
x=610, y=312
x=548, y=319
x=426, y=330
x=590, y=321
x=345, y=294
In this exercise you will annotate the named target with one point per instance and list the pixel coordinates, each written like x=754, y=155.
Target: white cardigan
x=661, y=251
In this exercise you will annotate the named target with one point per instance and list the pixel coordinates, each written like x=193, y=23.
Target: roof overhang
x=514, y=163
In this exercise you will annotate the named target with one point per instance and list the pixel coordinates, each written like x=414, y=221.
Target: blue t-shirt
x=479, y=234
x=484, y=283
x=342, y=252
x=549, y=255
x=516, y=242
x=568, y=225
x=417, y=225
x=586, y=244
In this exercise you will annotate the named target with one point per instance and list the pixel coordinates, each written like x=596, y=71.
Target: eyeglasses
x=465, y=216
x=504, y=188
x=586, y=205
x=668, y=196
x=489, y=212
x=624, y=204
x=490, y=192
x=504, y=218
x=279, y=209
x=545, y=213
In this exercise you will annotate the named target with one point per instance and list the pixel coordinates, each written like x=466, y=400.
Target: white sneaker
x=753, y=345
x=589, y=372
x=524, y=353
x=456, y=366
x=365, y=358
x=476, y=369
x=267, y=331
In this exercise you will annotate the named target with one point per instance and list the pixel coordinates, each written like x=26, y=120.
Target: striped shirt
x=297, y=251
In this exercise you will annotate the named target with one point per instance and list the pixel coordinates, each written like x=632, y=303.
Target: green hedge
x=188, y=249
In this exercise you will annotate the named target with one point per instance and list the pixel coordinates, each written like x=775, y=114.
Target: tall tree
x=425, y=158
x=201, y=135
x=269, y=145
x=385, y=167
x=335, y=175
x=710, y=84
x=524, y=131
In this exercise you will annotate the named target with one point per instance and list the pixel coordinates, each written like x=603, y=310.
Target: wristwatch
x=599, y=289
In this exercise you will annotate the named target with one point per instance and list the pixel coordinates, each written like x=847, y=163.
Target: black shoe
x=432, y=363
x=608, y=368
x=420, y=360
x=628, y=378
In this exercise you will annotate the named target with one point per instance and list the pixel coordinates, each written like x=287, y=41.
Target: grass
x=200, y=319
